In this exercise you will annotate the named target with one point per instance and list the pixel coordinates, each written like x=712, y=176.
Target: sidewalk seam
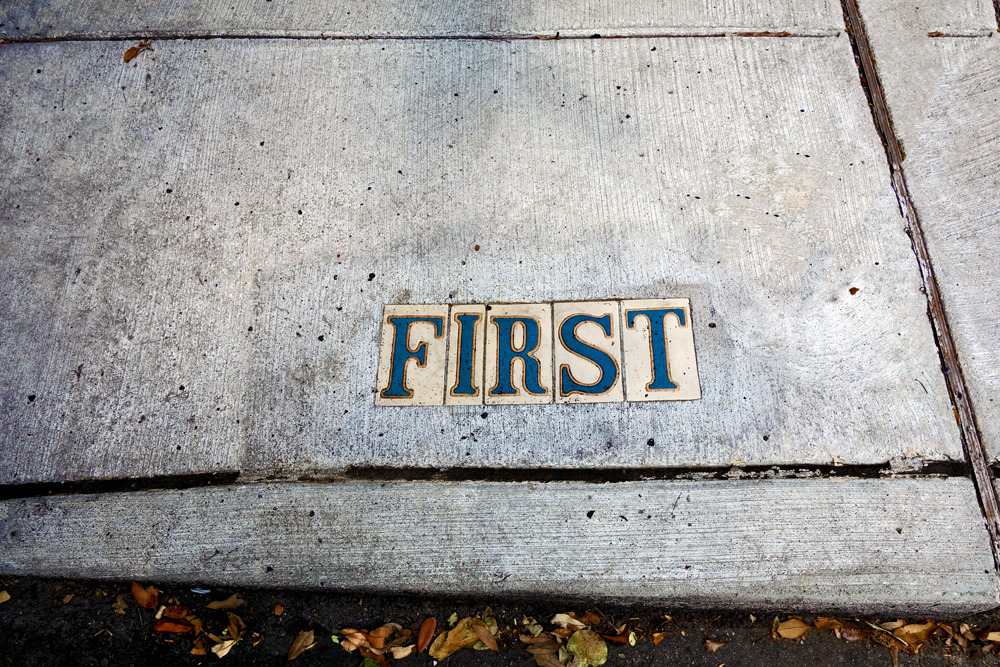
x=950, y=366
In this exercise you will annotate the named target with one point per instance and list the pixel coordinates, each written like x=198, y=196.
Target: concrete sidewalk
x=216, y=256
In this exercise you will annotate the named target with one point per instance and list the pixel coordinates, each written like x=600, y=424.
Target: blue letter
x=467, y=325
x=657, y=343
x=506, y=354
x=401, y=353
x=607, y=365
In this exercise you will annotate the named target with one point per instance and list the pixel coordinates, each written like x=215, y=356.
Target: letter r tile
x=411, y=368
x=466, y=351
x=658, y=348
x=518, y=353
x=588, y=362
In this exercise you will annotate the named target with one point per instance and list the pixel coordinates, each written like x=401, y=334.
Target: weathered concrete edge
x=951, y=368
x=597, y=31
x=866, y=546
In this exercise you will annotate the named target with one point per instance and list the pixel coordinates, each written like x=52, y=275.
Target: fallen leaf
x=133, y=51
x=824, y=623
x=892, y=625
x=199, y=647
x=568, y=622
x=915, y=633
x=427, y=629
x=146, y=597
x=222, y=649
x=453, y=619
x=486, y=636
x=119, y=606
x=68, y=598
x=176, y=611
x=712, y=646
x=588, y=648
x=399, y=652
x=590, y=618
x=172, y=626
x=793, y=628
x=658, y=637
x=991, y=637
x=236, y=627
x=278, y=610
x=378, y=636
x=617, y=639
x=4, y=596
x=459, y=637
x=302, y=643
x=231, y=602
x=852, y=632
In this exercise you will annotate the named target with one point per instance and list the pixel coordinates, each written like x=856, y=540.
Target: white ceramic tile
x=466, y=350
x=518, y=353
x=658, y=347
x=412, y=360
x=587, y=353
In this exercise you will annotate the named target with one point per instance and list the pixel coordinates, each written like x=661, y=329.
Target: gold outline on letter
x=666, y=348
x=406, y=363
x=566, y=366
x=475, y=326
x=517, y=391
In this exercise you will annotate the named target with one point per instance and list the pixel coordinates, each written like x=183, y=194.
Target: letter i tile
x=587, y=352
x=411, y=369
x=518, y=353
x=466, y=343
x=658, y=349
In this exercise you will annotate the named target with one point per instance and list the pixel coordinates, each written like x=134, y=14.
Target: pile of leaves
x=218, y=636
x=897, y=634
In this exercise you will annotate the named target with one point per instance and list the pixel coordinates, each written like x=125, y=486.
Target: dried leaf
x=453, y=619
x=403, y=651
x=172, y=626
x=223, y=648
x=892, y=625
x=146, y=597
x=568, y=622
x=302, y=643
x=231, y=602
x=68, y=598
x=236, y=627
x=590, y=618
x=378, y=636
x=617, y=639
x=427, y=629
x=459, y=637
x=712, y=646
x=199, y=647
x=658, y=637
x=915, y=633
x=588, y=648
x=852, y=632
x=278, y=610
x=824, y=623
x=132, y=52
x=485, y=636
x=993, y=637
x=176, y=611
x=793, y=628
x=119, y=606
x=4, y=596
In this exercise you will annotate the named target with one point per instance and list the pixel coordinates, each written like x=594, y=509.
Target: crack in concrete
x=972, y=443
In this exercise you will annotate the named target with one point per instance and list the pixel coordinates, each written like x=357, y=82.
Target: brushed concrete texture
x=196, y=249
x=889, y=545
x=943, y=95
x=33, y=19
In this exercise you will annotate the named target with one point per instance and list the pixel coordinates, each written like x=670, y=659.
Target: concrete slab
x=899, y=545
x=942, y=91
x=197, y=248
x=50, y=19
